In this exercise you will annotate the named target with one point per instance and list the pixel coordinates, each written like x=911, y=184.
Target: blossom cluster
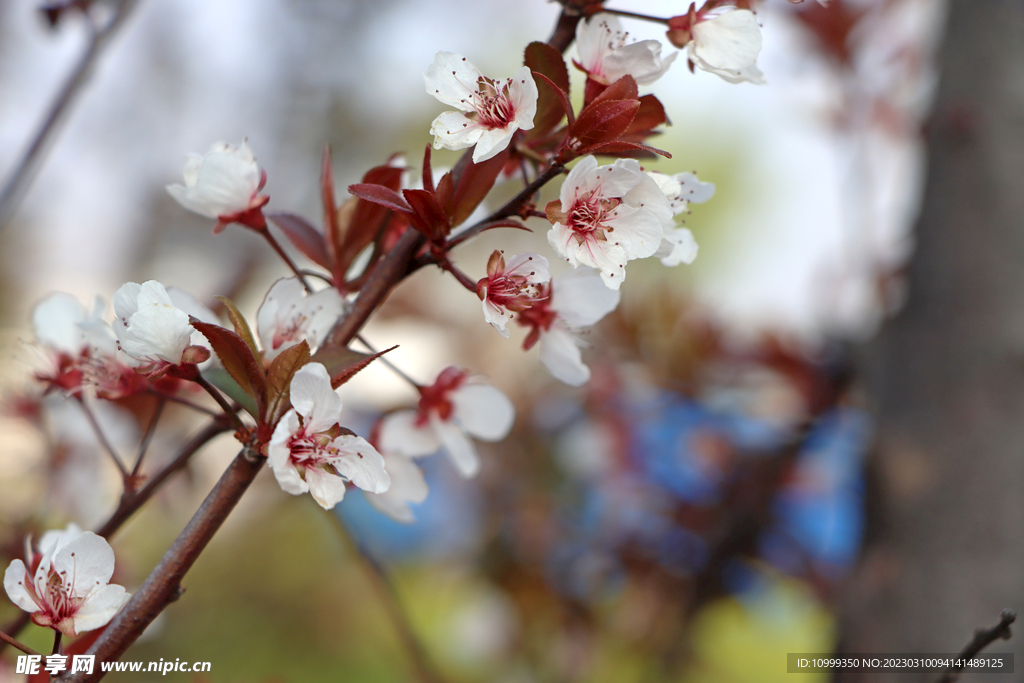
x=162, y=341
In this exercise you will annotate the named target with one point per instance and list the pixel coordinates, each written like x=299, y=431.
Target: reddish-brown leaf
x=304, y=236
x=649, y=116
x=622, y=89
x=553, y=87
x=330, y=207
x=600, y=123
x=279, y=379
x=340, y=377
x=428, y=216
x=238, y=360
x=476, y=181
x=378, y=194
x=240, y=324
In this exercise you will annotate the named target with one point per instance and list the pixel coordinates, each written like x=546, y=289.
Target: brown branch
x=130, y=503
x=14, y=189
x=163, y=586
x=17, y=644
x=983, y=637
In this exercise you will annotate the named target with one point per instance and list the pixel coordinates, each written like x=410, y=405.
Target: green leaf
x=220, y=378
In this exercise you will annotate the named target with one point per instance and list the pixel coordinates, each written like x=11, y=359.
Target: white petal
x=55, y=323
x=400, y=433
x=327, y=489
x=533, y=267
x=223, y=182
x=576, y=180
x=678, y=246
x=581, y=299
x=15, y=579
x=289, y=479
x=156, y=330
x=314, y=399
x=650, y=197
x=452, y=130
x=618, y=179
x=100, y=607
x=287, y=316
x=692, y=189
x=641, y=60
x=522, y=91
x=483, y=411
x=88, y=559
x=460, y=449
x=593, y=36
x=561, y=355
x=361, y=464
x=407, y=486
x=452, y=79
x=727, y=45
x=491, y=142
x=497, y=316
x=637, y=231
x=279, y=452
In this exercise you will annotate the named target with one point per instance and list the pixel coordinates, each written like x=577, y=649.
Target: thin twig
x=56, y=642
x=18, y=644
x=229, y=410
x=391, y=366
x=983, y=637
x=272, y=241
x=388, y=595
x=20, y=178
x=150, y=431
x=130, y=503
x=163, y=585
x=103, y=439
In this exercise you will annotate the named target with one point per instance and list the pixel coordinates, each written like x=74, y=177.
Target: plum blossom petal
x=494, y=110
x=309, y=451
x=606, y=57
x=726, y=44
x=407, y=486
x=511, y=287
x=575, y=300
x=287, y=316
x=69, y=590
x=608, y=215
x=224, y=182
x=448, y=410
x=678, y=244
x=149, y=326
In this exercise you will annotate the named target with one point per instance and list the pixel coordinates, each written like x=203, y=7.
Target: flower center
x=588, y=216
x=493, y=105
x=292, y=330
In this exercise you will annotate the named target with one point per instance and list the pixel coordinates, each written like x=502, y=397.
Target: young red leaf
x=562, y=99
x=378, y=194
x=344, y=375
x=428, y=173
x=240, y=324
x=476, y=181
x=428, y=215
x=304, y=236
x=327, y=199
x=600, y=123
x=625, y=148
x=279, y=378
x=622, y=89
x=548, y=63
x=649, y=116
x=238, y=360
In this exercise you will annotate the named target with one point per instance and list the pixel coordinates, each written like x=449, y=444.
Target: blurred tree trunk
x=946, y=377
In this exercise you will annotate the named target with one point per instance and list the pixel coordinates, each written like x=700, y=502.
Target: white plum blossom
x=608, y=215
x=287, y=316
x=66, y=585
x=407, y=486
x=310, y=451
x=606, y=57
x=496, y=110
x=726, y=43
x=62, y=325
x=222, y=184
x=152, y=322
x=449, y=412
x=511, y=287
x=573, y=301
x=678, y=244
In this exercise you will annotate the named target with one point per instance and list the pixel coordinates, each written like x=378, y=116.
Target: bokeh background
x=692, y=514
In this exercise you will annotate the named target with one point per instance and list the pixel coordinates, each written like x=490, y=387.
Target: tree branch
x=983, y=637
